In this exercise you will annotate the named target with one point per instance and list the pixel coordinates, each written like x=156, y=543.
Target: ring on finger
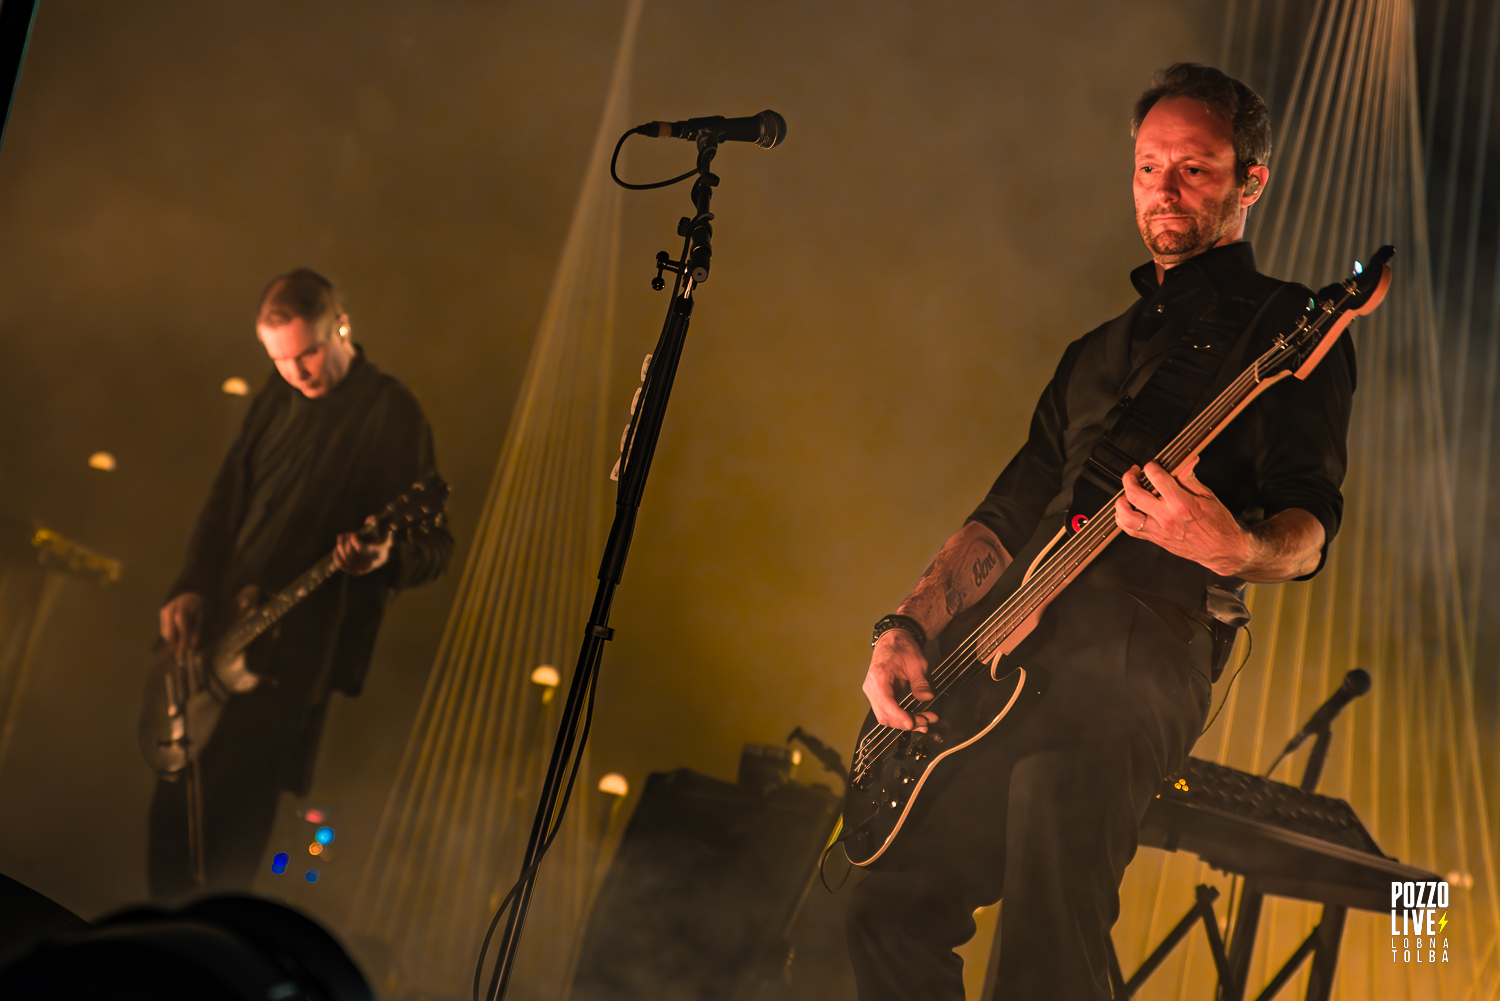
x=1144, y=517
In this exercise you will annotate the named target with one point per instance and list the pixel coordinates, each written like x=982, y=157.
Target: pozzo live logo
x=1419, y=922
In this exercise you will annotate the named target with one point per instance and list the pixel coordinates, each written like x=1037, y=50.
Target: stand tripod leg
x=1206, y=897
x=1329, y=935
x=1242, y=945
x=1202, y=911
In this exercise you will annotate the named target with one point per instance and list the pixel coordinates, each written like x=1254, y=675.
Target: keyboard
x=1297, y=844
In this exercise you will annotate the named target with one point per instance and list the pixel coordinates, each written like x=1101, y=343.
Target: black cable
x=562, y=806
x=823, y=862
x=641, y=187
x=1249, y=646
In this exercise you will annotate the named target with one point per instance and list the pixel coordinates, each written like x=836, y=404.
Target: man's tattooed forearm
x=953, y=601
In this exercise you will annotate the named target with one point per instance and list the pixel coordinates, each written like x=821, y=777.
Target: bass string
x=974, y=651
x=281, y=603
x=967, y=657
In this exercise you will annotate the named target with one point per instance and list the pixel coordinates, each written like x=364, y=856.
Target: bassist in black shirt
x=1046, y=814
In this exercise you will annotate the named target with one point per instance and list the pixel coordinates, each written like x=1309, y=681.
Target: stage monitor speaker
x=698, y=901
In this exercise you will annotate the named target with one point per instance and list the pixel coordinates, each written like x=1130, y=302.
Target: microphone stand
x=691, y=270
x=1314, y=770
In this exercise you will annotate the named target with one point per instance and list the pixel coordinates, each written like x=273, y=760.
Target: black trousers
x=1045, y=816
x=242, y=771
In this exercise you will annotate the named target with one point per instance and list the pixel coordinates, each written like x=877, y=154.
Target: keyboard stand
x=1202, y=911
x=1323, y=945
x=1234, y=967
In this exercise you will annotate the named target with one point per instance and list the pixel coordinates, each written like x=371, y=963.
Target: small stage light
x=324, y=836
x=278, y=864
x=314, y=849
x=546, y=675
x=313, y=816
x=614, y=784
x=103, y=461
x=1460, y=880
x=312, y=875
x=235, y=386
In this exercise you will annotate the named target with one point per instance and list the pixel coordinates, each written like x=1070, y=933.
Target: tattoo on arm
x=981, y=559
x=956, y=577
x=982, y=567
x=983, y=556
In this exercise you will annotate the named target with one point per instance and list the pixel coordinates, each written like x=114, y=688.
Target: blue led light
x=312, y=875
x=324, y=835
x=1359, y=268
x=278, y=864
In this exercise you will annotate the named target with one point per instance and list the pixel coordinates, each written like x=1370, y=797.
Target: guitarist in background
x=1046, y=815
x=329, y=439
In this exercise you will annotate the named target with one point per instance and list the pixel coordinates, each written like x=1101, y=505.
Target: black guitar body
x=879, y=804
x=978, y=704
x=890, y=769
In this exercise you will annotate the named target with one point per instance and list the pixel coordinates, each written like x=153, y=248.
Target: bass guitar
x=977, y=691
x=184, y=699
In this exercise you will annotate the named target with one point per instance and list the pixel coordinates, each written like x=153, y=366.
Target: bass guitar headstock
x=418, y=510
x=1362, y=291
x=1329, y=313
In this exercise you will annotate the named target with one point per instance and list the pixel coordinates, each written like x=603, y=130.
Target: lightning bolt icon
x=1443, y=921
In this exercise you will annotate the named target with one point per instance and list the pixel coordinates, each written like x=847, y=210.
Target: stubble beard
x=1206, y=230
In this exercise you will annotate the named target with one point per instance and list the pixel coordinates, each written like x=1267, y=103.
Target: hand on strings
x=1184, y=518
x=180, y=621
x=356, y=557
x=896, y=668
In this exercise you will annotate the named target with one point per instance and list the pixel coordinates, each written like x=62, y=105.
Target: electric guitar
x=183, y=700
x=977, y=691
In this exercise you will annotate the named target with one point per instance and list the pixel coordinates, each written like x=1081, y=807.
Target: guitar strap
x=1191, y=375
x=1208, y=354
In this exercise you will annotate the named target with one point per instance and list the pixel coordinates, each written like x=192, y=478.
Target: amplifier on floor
x=707, y=881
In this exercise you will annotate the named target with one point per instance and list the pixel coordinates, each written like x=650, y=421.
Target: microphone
x=765, y=129
x=1356, y=683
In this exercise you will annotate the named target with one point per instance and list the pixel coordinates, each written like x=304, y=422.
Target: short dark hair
x=1247, y=113
x=301, y=294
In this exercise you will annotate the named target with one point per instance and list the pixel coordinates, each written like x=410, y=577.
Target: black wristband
x=903, y=622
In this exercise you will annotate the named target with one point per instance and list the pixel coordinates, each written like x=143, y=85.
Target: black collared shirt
x=1287, y=450
x=301, y=472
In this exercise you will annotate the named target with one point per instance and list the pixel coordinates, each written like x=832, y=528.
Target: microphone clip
x=664, y=262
